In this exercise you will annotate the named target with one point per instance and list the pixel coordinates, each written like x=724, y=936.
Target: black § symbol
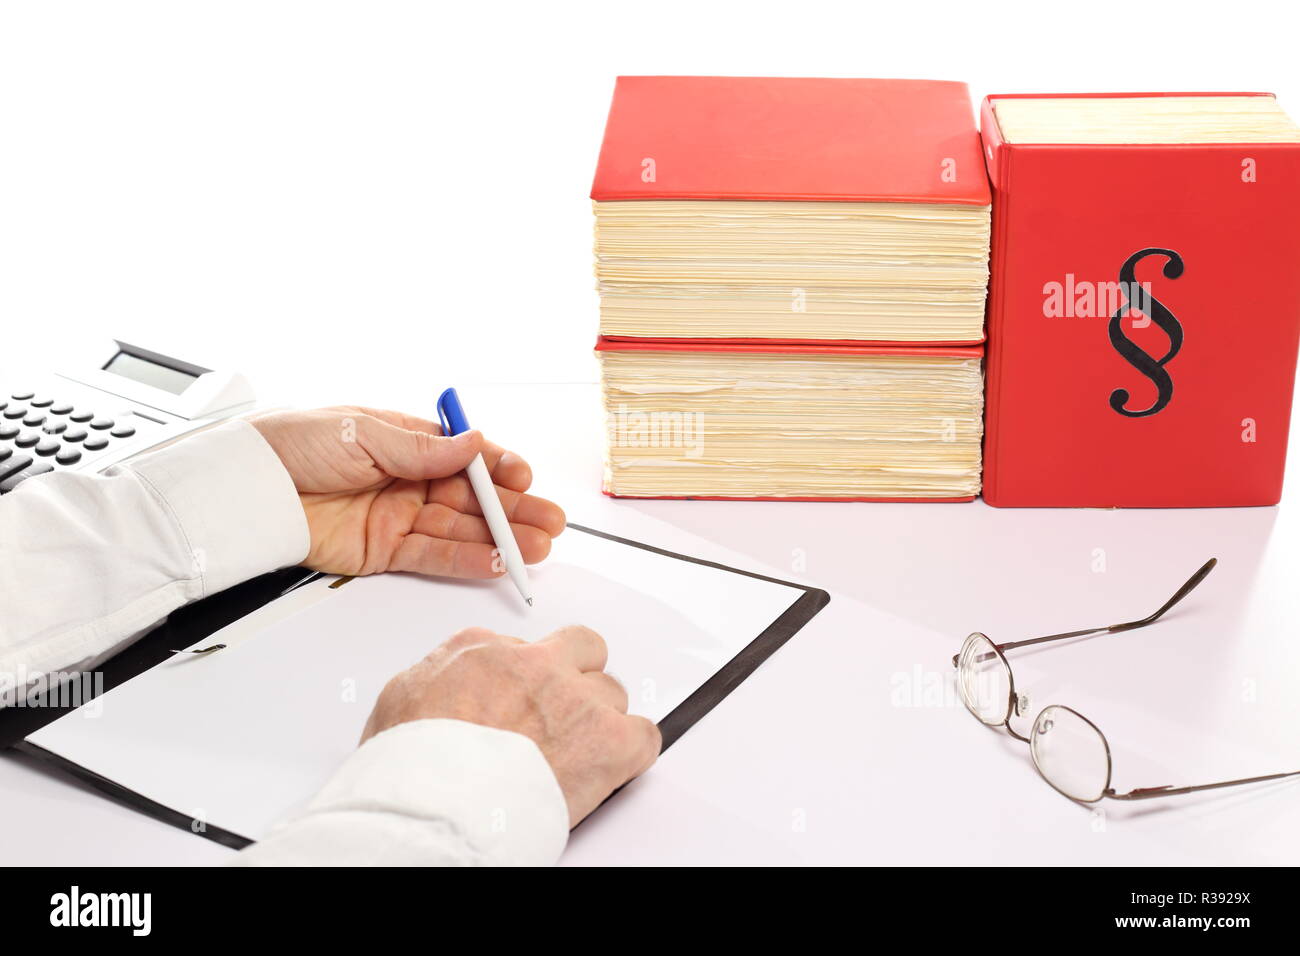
x=1147, y=304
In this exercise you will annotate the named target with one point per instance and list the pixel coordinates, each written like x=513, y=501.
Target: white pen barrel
x=481, y=480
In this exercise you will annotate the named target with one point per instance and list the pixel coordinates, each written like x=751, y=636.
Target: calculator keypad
x=39, y=431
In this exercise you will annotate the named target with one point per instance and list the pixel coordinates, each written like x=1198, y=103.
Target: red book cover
x=790, y=138
x=604, y=344
x=1143, y=317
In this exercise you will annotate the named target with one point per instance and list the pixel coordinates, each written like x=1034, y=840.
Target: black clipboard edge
x=682, y=717
x=130, y=798
x=711, y=693
x=732, y=674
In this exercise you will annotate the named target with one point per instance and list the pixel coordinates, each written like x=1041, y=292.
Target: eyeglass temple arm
x=1144, y=793
x=1181, y=593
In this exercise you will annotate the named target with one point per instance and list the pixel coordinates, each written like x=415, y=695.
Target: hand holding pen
x=384, y=491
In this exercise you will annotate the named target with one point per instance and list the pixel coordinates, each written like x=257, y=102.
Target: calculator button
x=34, y=419
x=15, y=411
x=5, y=452
x=60, y=408
x=74, y=434
x=122, y=431
x=54, y=428
x=96, y=442
x=101, y=423
x=68, y=456
x=42, y=402
x=14, y=465
x=22, y=396
x=81, y=415
x=12, y=481
x=27, y=439
x=47, y=447
x=7, y=431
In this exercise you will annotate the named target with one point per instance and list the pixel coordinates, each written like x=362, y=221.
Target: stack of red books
x=792, y=276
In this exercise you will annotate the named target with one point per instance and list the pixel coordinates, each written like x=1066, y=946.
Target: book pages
x=737, y=424
x=1144, y=119
x=895, y=272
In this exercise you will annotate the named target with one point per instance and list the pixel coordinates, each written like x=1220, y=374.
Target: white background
x=323, y=190
x=367, y=201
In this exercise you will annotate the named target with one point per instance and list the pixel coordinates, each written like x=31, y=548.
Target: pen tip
x=530, y=601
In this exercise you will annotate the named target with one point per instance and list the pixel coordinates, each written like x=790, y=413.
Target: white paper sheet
x=242, y=737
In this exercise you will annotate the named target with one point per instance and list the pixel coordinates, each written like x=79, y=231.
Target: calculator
x=123, y=400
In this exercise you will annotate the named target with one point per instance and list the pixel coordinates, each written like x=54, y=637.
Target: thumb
x=416, y=455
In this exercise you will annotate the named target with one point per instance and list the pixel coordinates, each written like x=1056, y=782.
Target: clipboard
x=272, y=594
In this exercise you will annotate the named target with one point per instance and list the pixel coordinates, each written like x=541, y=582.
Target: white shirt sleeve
x=88, y=563
x=429, y=793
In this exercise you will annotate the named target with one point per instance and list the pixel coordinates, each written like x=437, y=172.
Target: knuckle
x=582, y=635
x=616, y=688
x=622, y=731
x=425, y=443
x=648, y=743
x=641, y=734
x=581, y=630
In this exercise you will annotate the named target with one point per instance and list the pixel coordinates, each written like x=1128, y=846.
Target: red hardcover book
x=1143, y=317
x=783, y=141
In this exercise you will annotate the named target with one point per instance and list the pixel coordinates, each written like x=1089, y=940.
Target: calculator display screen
x=150, y=373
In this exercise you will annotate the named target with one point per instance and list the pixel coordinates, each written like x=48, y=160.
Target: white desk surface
x=847, y=746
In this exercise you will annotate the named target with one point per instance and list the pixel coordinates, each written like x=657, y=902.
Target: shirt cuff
x=492, y=788
x=232, y=499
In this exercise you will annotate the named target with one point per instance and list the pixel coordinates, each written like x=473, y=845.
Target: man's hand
x=384, y=492
x=554, y=691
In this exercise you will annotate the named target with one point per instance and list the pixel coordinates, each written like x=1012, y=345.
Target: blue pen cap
x=451, y=414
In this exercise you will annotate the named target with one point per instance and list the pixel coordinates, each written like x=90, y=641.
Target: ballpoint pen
x=453, y=419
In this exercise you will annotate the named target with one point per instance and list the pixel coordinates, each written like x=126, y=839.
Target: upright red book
x=1143, y=316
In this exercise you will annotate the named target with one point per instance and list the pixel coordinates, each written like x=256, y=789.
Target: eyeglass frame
x=1014, y=705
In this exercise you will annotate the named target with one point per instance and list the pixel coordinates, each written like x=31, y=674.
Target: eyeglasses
x=1069, y=751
